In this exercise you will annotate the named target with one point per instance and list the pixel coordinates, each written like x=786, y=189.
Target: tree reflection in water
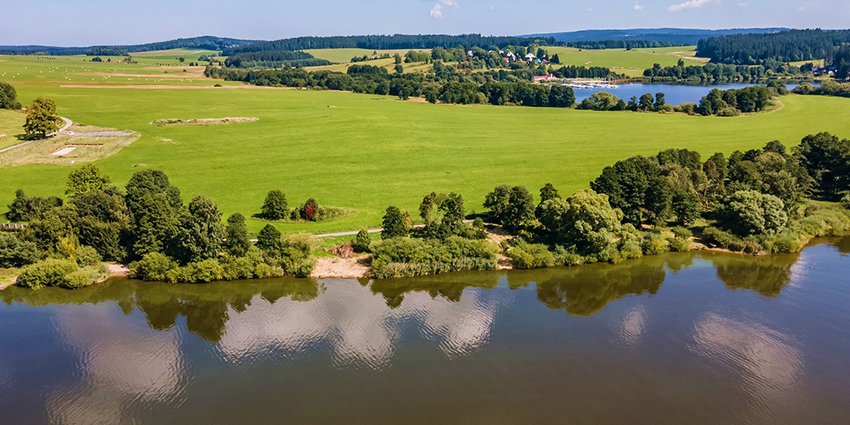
x=205, y=307
x=580, y=291
x=586, y=290
x=766, y=275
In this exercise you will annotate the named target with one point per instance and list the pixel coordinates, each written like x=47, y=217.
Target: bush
x=728, y=112
x=16, y=253
x=84, y=277
x=715, y=237
x=362, y=241
x=87, y=256
x=275, y=206
x=531, y=256
x=51, y=272
x=296, y=255
x=846, y=200
x=655, y=244
x=406, y=257
x=153, y=266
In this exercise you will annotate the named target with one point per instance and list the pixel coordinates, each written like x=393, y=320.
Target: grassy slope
x=629, y=62
x=11, y=123
x=345, y=55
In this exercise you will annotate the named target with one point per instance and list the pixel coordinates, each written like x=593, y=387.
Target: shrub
x=87, y=256
x=275, y=206
x=84, y=277
x=51, y=272
x=655, y=244
x=16, y=253
x=153, y=266
x=679, y=244
x=296, y=254
x=728, y=112
x=310, y=210
x=362, y=241
x=722, y=239
x=531, y=256
x=406, y=257
x=846, y=200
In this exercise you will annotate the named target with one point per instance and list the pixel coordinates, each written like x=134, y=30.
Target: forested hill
x=638, y=37
x=788, y=46
x=381, y=42
x=204, y=42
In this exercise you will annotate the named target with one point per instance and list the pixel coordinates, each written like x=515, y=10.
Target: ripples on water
x=694, y=338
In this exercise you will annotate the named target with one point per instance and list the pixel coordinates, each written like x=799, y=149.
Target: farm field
x=341, y=59
x=10, y=126
x=632, y=63
x=345, y=55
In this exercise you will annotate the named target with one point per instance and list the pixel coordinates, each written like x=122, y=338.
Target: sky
x=92, y=22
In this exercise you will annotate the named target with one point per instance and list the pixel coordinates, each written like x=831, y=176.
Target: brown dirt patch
x=348, y=268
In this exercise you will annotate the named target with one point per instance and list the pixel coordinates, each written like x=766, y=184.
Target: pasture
x=363, y=152
x=632, y=63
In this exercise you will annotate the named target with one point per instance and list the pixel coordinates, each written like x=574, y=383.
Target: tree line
x=388, y=42
x=717, y=73
x=273, y=59
x=785, y=46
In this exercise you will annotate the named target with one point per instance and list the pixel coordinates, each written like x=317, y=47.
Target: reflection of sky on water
x=633, y=325
x=121, y=362
x=768, y=360
x=711, y=330
x=358, y=325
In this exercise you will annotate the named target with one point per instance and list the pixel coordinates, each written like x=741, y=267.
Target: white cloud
x=637, y=7
x=690, y=4
x=437, y=10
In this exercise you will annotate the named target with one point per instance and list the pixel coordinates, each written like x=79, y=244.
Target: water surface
x=684, y=338
x=675, y=94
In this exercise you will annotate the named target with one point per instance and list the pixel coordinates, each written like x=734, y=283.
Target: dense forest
x=717, y=73
x=672, y=36
x=787, y=46
x=273, y=59
x=204, y=42
x=618, y=44
x=388, y=42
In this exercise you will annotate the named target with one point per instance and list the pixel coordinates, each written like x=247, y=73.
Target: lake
x=675, y=94
x=684, y=338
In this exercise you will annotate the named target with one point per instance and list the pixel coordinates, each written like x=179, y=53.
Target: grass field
x=345, y=55
x=341, y=59
x=364, y=152
x=632, y=63
x=11, y=123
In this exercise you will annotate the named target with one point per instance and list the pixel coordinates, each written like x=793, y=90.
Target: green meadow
x=363, y=152
x=632, y=63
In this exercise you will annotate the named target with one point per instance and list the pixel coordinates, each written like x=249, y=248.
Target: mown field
x=632, y=63
x=341, y=59
x=364, y=152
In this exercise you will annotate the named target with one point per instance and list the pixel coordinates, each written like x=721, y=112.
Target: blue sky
x=86, y=22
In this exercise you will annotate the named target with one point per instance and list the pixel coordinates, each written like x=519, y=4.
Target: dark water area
x=675, y=94
x=684, y=338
